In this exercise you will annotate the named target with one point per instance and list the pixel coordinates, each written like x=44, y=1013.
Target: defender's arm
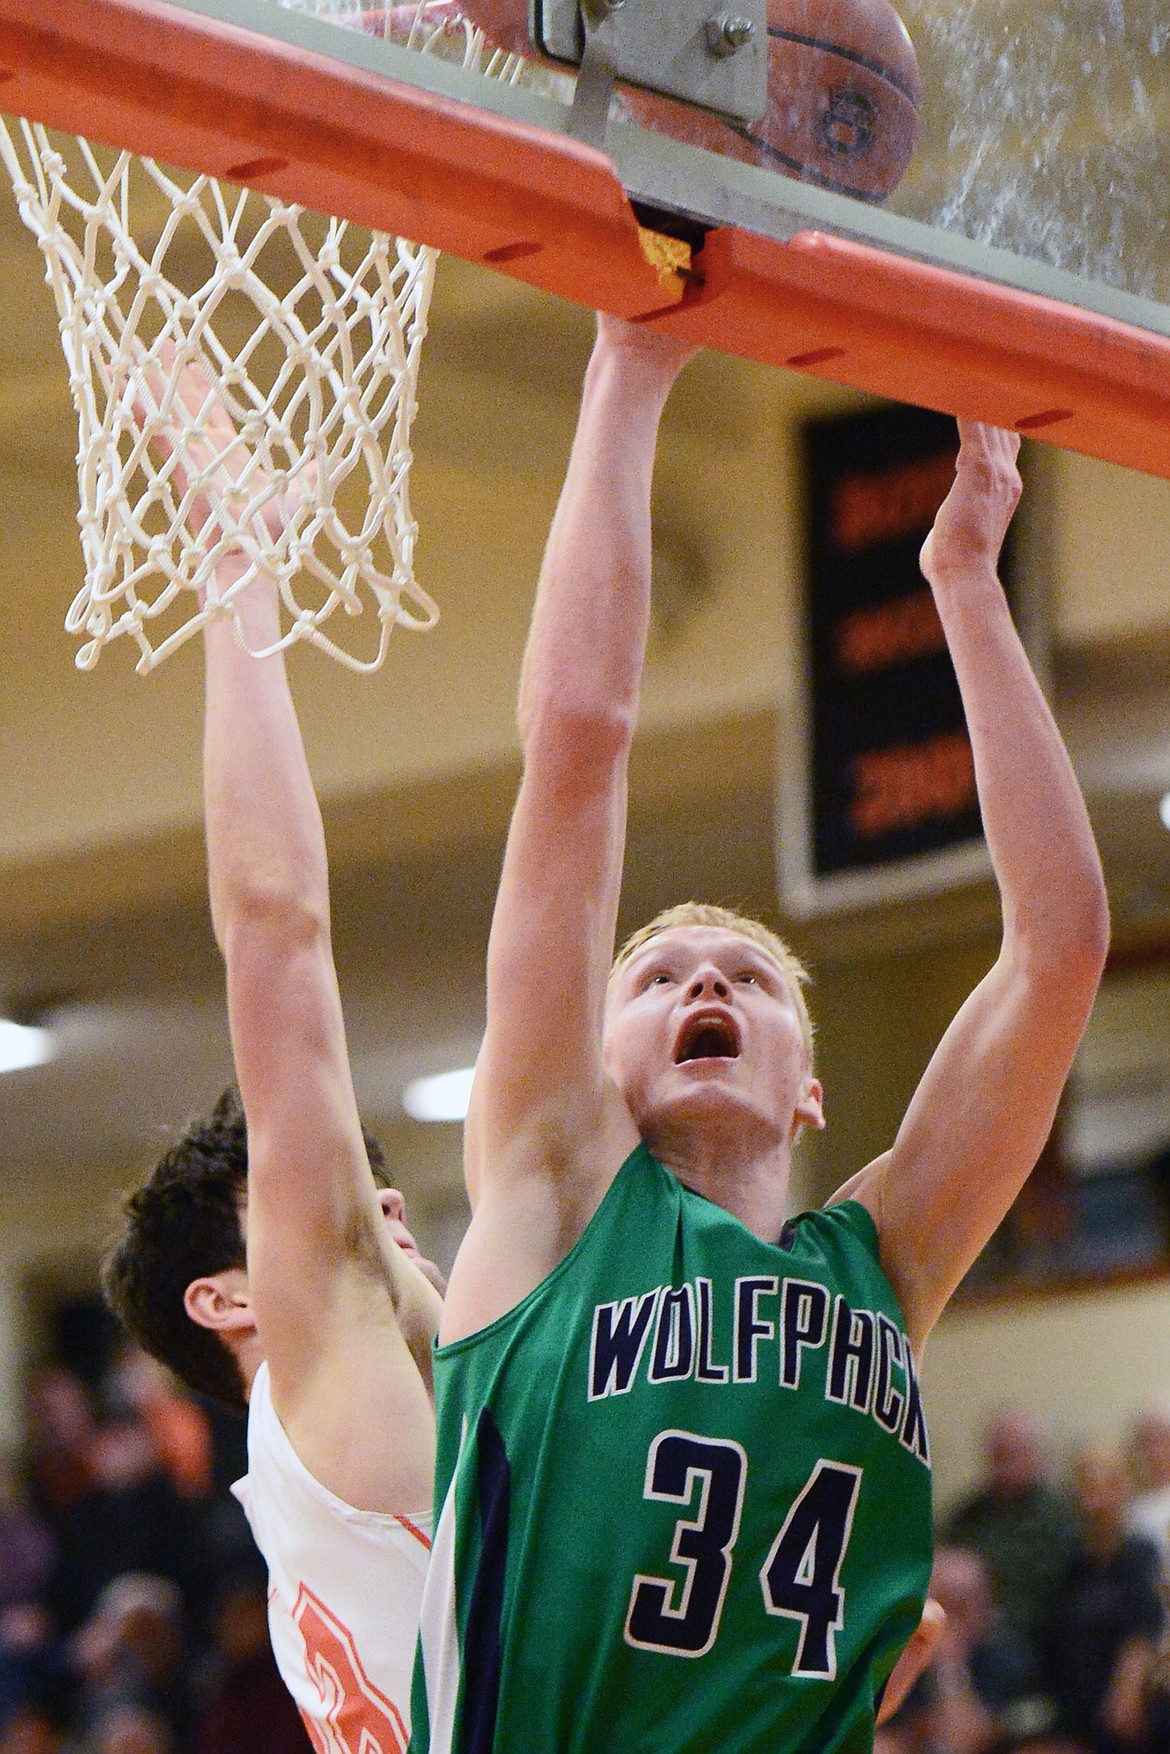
x=986, y=1103
x=335, y=1301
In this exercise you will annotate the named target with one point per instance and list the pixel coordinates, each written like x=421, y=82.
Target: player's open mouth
x=707, y=1036
x=403, y=1238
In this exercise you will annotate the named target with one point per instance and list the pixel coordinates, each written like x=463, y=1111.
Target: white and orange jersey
x=344, y=1592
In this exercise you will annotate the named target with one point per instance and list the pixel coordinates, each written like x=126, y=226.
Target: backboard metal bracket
x=713, y=53
x=589, y=112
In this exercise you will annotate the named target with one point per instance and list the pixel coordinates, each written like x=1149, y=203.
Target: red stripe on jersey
x=357, y=1717
x=413, y=1529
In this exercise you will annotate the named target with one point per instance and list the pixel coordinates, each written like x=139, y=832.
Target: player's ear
x=221, y=1302
x=809, y=1111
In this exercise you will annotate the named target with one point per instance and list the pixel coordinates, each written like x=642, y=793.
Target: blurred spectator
x=980, y=1688
x=27, y=1556
x=1105, y=1619
x=132, y=1729
x=131, y=1652
x=32, y=1660
x=248, y=1707
x=180, y=1429
x=130, y=1519
x=27, y=1547
x=31, y=1730
x=1148, y=1514
x=1021, y=1526
x=979, y=1661
x=60, y=1435
x=216, y=1540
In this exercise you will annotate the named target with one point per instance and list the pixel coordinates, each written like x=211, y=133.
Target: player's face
x=394, y=1211
x=702, y=1023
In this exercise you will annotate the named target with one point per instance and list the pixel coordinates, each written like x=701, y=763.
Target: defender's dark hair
x=184, y=1224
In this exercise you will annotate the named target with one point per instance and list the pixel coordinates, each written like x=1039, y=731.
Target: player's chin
x=715, y=1096
x=429, y=1271
x=427, y=1268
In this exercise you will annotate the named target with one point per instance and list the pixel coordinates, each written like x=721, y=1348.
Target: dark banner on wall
x=887, y=799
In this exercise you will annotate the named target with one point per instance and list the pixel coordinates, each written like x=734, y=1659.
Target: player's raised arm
x=544, y=1130
x=986, y=1103
x=331, y=1294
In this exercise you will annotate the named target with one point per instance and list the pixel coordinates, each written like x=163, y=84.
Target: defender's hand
x=216, y=450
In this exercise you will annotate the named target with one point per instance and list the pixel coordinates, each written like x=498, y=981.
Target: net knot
x=309, y=333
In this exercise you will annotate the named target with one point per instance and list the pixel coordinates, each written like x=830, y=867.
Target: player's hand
x=640, y=347
x=213, y=449
x=973, y=520
x=918, y=1655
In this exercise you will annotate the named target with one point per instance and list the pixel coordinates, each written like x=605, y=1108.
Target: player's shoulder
x=839, y=1242
x=847, y=1222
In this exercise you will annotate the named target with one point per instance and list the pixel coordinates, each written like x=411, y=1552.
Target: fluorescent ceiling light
x=22, y=1046
x=441, y=1098
x=1164, y=810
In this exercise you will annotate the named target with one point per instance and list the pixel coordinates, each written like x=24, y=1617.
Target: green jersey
x=685, y=1493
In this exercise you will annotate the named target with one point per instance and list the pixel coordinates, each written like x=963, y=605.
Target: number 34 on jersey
x=799, y=1578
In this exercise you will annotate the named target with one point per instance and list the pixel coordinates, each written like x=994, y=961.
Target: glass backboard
x=1016, y=270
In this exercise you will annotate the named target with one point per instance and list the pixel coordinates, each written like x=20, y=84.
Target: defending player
x=326, y=1332
x=682, y=1459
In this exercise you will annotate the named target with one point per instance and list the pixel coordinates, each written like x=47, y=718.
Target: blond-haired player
x=682, y=1460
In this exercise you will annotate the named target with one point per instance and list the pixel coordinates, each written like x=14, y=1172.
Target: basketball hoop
x=310, y=330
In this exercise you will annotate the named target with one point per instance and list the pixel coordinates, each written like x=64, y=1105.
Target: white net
x=309, y=332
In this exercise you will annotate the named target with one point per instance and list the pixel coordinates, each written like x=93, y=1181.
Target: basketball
x=843, y=91
x=843, y=98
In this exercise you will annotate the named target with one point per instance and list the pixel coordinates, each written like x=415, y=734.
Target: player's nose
x=393, y=1204
x=709, y=980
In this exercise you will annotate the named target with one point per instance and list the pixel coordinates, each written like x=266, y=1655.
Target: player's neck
x=749, y=1182
x=249, y=1356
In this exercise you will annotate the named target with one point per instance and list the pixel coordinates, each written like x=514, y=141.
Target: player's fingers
x=988, y=464
x=976, y=437
x=918, y=1655
x=200, y=426
x=280, y=508
x=148, y=386
x=178, y=431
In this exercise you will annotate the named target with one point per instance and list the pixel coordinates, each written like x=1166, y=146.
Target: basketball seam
x=805, y=172
x=793, y=36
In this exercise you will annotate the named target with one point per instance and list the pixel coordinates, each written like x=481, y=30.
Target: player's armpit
x=362, y=1421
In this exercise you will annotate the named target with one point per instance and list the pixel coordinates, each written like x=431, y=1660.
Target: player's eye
x=748, y=978
x=658, y=979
